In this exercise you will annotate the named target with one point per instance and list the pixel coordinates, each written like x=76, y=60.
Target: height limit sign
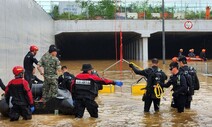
x=188, y=25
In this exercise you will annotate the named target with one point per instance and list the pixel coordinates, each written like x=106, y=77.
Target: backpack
x=156, y=78
x=194, y=77
x=189, y=82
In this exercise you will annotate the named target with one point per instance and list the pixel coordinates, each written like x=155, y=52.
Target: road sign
x=188, y=25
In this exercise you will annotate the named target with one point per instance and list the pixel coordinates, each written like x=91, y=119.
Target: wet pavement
x=121, y=109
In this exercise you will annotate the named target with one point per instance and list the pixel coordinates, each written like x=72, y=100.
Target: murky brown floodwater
x=121, y=109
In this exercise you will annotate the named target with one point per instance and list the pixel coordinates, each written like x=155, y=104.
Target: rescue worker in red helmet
x=180, y=54
x=29, y=59
x=18, y=93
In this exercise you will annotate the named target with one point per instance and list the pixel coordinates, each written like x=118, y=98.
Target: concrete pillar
x=140, y=49
x=130, y=53
x=137, y=50
x=135, y=53
x=133, y=50
x=145, y=48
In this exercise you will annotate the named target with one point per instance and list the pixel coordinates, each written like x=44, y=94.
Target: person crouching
x=18, y=93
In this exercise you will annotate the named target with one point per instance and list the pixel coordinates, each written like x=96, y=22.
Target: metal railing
x=142, y=9
x=202, y=67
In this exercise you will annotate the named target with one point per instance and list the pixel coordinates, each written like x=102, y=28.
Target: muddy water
x=121, y=109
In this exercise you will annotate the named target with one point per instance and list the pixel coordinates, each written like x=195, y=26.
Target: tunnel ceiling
x=101, y=45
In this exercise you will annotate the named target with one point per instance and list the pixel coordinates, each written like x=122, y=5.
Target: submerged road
x=121, y=109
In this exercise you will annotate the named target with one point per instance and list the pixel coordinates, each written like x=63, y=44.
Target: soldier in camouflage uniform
x=51, y=66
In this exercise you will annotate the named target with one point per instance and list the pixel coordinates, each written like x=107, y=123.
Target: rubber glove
x=32, y=108
x=118, y=83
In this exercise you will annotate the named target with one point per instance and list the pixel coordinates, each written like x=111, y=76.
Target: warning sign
x=188, y=25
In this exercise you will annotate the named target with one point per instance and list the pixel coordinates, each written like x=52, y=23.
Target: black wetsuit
x=180, y=90
x=29, y=59
x=150, y=96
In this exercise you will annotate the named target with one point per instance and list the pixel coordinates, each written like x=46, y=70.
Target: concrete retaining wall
x=22, y=23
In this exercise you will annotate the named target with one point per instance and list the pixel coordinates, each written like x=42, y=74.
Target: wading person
x=22, y=100
x=85, y=90
x=29, y=59
x=154, y=76
x=178, y=81
x=191, y=79
x=51, y=67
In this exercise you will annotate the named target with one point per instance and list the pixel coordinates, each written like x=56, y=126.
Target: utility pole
x=163, y=34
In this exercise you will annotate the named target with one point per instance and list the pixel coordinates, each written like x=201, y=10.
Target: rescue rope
x=158, y=91
x=136, y=66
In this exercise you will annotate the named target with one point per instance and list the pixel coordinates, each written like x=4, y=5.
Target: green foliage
x=105, y=9
x=55, y=13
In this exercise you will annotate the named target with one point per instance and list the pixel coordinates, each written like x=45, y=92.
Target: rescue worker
x=51, y=67
x=191, y=53
x=180, y=53
x=85, y=90
x=64, y=80
x=203, y=55
x=35, y=79
x=20, y=95
x=154, y=76
x=2, y=85
x=179, y=87
x=191, y=78
x=29, y=59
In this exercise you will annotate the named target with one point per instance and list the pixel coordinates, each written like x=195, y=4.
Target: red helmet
x=33, y=48
x=174, y=59
x=17, y=70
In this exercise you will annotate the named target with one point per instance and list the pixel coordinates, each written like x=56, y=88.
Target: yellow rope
x=158, y=91
x=136, y=66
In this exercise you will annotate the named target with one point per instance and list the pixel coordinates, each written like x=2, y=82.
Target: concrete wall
x=145, y=27
x=22, y=23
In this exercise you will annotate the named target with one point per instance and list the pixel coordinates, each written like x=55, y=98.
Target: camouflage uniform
x=51, y=65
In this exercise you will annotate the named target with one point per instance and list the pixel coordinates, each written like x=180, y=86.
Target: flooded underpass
x=121, y=109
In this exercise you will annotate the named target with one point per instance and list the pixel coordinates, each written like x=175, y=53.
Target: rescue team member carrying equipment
x=179, y=87
x=22, y=101
x=191, y=79
x=155, y=77
x=85, y=90
x=29, y=59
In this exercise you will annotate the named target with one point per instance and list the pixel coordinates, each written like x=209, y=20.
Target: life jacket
x=85, y=88
x=176, y=82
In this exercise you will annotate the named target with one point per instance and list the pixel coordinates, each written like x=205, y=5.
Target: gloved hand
x=118, y=83
x=130, y=65
x=175, y=94
x=32, y=108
